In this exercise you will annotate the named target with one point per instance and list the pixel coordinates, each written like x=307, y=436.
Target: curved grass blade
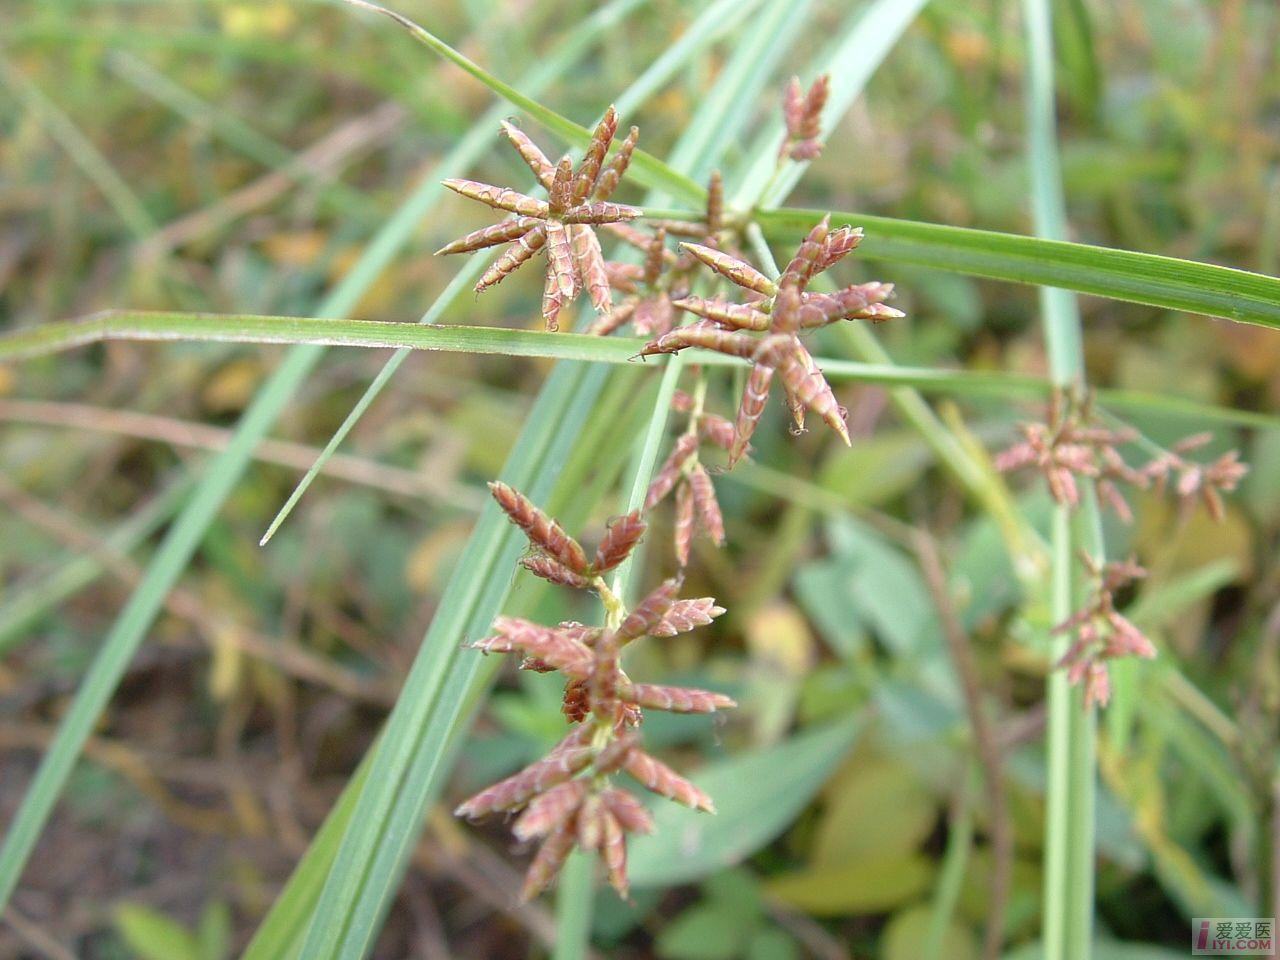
x=1147, y=278
x=500, y=341
x=645, y=169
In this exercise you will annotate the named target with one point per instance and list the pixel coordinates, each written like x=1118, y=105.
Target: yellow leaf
x=778, y=635
x=878, y=809
x=907, y=933
x=231, y=386
x=298, y=248
x=867, y=886
x=422, y=569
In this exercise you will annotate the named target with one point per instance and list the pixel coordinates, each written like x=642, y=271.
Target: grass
x=583, y=437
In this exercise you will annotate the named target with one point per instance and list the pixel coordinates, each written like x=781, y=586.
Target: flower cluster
x=803, y=114
x=561, y=224
x=697, y=509
x=766, y=329
x=1073, y=445
x=1102, y=632
x=567, y=798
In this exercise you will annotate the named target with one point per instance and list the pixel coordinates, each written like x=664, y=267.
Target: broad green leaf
x=757, y=794
x=707, y=931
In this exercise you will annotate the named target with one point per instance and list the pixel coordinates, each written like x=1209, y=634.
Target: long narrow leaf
x=1117, y=274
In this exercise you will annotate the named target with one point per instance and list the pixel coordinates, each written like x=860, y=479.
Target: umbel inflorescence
x=568, y=798
x=1073, y=447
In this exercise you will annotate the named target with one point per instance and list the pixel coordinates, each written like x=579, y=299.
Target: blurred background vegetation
x=236, y=157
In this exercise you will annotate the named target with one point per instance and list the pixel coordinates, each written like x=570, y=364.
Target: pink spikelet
x=543, y=532
x=619, y=540
x=685, y=615
x=657, y=777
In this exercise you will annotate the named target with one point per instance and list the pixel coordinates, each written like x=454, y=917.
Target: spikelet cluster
x=567, y=799
x=1072, y=445
x=802, y=112
x=766, y=330
x=560, y=227
x=682, y=473
x=653, y=286
x=1102, y=633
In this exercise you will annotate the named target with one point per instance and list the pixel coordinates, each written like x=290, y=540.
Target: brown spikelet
x=803, y=116
x=589, y=263
x=553, y=570
x=648, y=613
x=683, y=532
x=543, y=532
x=706, y=337
x=677, y=699
x=654, y=315
x=804, y=264
x=715, y=204
x=619, y=540
x=513, y=792
x=589, y=169
x=605, y=671
x=530, y=153
x=750, y=409
x=737, y=316
x=616, y=169
x=562, y=275
x=706, y=505
x=559, y=194
x=656, y=776
x=576, y=705
x=548, y=861
x=500, y=198
x=560, y=649
x=733, y=268
x=590, y=829
x=629, y=812
x=614, y=755
x=655, y=256
x=612, y=320
x=717, y=429
x=839, y=243
x=665, y=479
x=613, y=851
x=508, y=231
x=806, y=385
x=513, y=258
x=550, y=810
x=602, y=212
x=685, y=615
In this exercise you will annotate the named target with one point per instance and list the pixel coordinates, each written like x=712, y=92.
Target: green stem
x=1072, y=726
x=573, y=906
